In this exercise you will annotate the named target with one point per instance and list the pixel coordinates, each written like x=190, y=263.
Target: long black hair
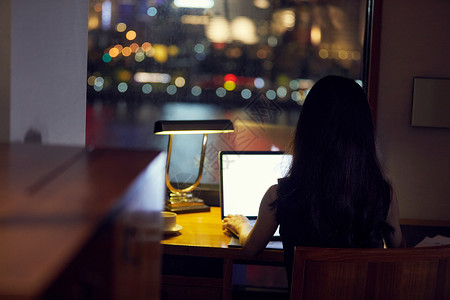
x=335, y=194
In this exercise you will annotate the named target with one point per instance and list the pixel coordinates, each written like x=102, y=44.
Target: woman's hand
x=236, y=224
x=253, y=239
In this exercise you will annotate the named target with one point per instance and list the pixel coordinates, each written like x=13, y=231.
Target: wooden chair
x=405, y=273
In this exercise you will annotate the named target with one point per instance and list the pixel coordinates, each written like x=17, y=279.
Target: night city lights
x=180, y=49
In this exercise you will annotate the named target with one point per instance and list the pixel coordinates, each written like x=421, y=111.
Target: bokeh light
x=139, y=56
x=218, y=30
x=295, y=95
x=271, y=94
x=343, y=55
x=294, y=85
x=152, y=11
x=316, y=35
x=171, y=89
x=146, y=46
x=180, y=81
x=199, y=48
x=126, y=51
x=229, y=85
x=93, y=22
x=172, y=50
x=272, y=41
x=106, y=58
x=91, y=80
x=122, y=87
x=160, y=53
x=121, y=27
x=147, y=88
x=196, y=90
x=124, y=75
x=98, y=7
x=261, y=54
x=246, y=94
x=299, y=96
x=243, y=29
x=259, y=83
x=221, y=92
x=131, y=35
x=114, y=52
x=262, y=4
x=323, y=53
x=281, y=92
x=99, y=81
x=134, y=47
x=230, y=77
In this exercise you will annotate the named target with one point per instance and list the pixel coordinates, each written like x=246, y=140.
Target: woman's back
x=335, y=194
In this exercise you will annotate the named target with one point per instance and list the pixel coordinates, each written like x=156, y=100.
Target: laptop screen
x=245, y=177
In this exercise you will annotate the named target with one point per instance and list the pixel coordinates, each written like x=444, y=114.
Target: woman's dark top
x=301, y=224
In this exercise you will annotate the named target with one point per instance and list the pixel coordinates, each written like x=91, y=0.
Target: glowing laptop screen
x=246, y=176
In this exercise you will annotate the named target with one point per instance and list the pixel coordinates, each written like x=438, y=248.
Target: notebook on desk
x=245, y=176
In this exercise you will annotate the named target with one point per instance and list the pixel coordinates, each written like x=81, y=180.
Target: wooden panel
x=56, y=199
x=443, y=286
x=402, y=280
x=334, y=280
x=408, y=273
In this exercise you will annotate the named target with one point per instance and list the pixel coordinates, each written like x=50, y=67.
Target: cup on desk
x=169, y=221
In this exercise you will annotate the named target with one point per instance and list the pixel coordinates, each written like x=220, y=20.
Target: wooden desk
x=202, y=247
x=58, y=209
x=197, y=263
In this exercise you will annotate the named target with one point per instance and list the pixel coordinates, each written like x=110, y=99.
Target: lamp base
x=188, y=209
x=185, y=203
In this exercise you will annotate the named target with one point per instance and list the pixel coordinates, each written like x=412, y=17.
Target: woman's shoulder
x=272, y=190
x=271, y=194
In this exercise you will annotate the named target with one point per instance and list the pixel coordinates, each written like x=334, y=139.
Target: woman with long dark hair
x=335, y=194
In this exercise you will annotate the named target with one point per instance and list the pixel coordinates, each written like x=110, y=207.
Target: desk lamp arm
x=200, y=171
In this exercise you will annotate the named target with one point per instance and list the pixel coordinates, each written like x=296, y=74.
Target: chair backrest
x=405, y=273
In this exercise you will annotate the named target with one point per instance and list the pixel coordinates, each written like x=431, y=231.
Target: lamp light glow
x=194, y=4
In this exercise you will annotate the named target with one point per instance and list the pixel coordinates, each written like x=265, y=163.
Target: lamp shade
x=193, y=127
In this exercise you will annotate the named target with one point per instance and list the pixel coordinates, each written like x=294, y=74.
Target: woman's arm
x=254, y=240
x=394, y=239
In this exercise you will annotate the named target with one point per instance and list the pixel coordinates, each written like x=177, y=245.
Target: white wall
x=414, y=42
x=48, y=70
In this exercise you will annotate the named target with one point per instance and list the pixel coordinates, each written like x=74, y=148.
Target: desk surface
x=202, y=236
x=202, y=233
x=202, y=229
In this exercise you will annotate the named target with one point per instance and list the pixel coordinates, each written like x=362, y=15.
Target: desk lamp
x=182, y=200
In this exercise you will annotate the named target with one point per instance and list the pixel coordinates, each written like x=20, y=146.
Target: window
x=250, y=61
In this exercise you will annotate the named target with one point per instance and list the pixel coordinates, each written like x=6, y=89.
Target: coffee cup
x=169, y=221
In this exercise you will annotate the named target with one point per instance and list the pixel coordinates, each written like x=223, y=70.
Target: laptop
x=245, y=177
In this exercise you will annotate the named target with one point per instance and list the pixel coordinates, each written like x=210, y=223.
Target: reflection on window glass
x=250, y=61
